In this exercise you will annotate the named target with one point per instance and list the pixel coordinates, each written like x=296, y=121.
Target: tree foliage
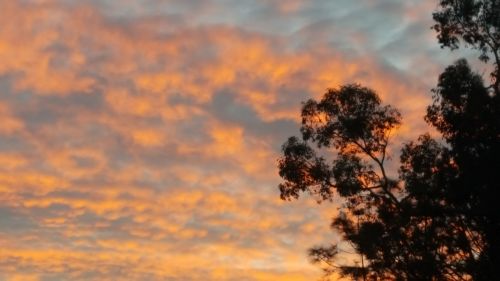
x=438, y=219
x=476, y=23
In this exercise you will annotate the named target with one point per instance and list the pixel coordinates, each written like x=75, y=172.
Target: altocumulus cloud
x=139, y=139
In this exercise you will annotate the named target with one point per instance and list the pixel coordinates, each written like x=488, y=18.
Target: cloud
x=139, y=141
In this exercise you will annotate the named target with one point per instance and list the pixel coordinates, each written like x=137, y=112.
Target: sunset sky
x=139, y=139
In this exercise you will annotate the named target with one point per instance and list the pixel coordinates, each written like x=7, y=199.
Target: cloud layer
x=139, y=139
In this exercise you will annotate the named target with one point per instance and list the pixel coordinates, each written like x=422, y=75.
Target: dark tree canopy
x=468, y=117
x=439, y=219
x=476, y=23
x=388, y=221
x=351, y=120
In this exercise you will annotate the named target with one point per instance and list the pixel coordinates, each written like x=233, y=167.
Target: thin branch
x=385, y=186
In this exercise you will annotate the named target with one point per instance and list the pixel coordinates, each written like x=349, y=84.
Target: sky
x=139, y=139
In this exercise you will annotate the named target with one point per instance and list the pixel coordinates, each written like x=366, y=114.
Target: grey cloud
x=225, y=107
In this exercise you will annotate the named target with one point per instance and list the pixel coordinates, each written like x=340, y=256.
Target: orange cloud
x=10, y=123
x=134, y=149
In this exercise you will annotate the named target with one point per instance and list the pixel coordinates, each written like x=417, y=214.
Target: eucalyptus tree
x=439, y=218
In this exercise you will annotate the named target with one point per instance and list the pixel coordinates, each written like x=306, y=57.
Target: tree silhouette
x=476, y=23
x=397, y=225
x=439, y=218
x=468, y=115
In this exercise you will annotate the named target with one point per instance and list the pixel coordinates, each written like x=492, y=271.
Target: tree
x=467, y=113
x=468, y=116
x=476, y=23
x=439, y=219
x=392, y=223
